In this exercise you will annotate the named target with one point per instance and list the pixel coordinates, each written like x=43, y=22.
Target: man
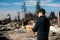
x=42, y=26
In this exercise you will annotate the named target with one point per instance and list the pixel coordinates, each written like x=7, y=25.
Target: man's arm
x=38, y=23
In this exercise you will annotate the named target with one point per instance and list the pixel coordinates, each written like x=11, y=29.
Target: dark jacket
x=42, y=27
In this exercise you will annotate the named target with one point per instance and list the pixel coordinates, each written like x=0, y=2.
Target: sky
x=15, y=6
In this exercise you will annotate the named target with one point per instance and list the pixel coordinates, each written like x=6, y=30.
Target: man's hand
x=33, y=34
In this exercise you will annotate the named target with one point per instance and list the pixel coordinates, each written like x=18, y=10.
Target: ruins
x=59, y=19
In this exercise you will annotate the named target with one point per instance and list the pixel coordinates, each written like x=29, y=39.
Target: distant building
x=59, y=19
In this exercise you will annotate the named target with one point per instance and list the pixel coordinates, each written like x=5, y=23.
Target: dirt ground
x=22, y=35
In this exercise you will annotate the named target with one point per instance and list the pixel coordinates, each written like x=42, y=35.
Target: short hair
x=41, y=10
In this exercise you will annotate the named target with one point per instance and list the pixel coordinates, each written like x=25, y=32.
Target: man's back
x=42, y=27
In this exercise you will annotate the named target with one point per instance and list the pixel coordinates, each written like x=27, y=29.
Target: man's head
x=41, y=12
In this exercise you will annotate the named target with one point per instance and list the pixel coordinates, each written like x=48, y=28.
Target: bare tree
x=37, y=9
x=53, y=18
